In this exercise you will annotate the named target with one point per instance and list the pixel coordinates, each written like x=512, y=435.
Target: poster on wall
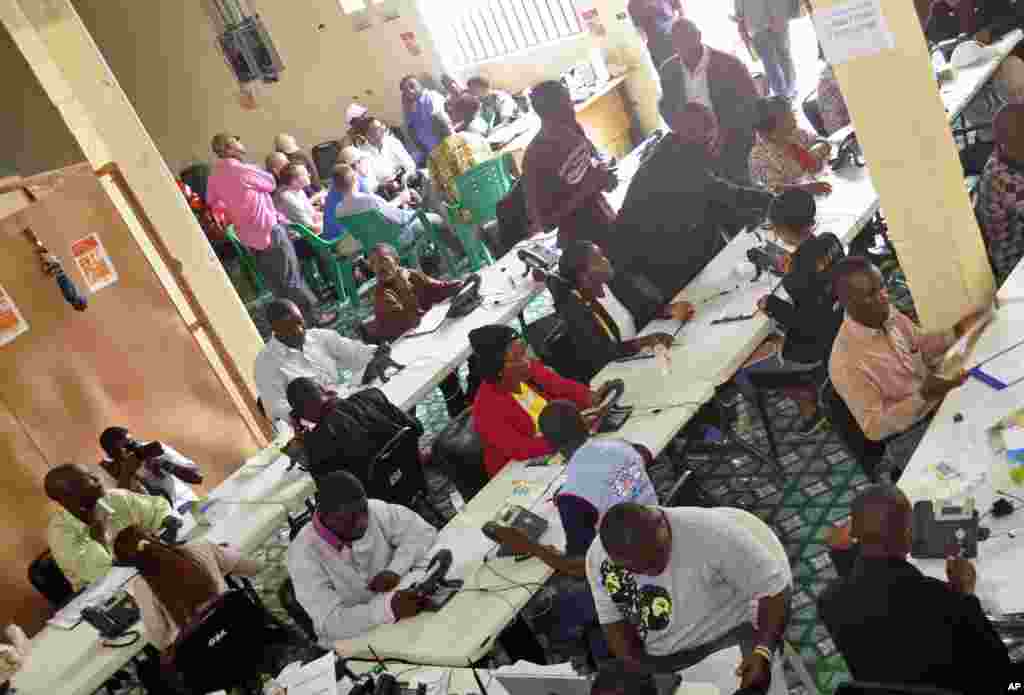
x=93, y=262
x=852, y=29
x=12, y=323
x=592, y=19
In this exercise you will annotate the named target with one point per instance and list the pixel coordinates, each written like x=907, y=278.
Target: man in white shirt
x=348, y=561
x=387, y=154
x=674, y=585
x=294, y=351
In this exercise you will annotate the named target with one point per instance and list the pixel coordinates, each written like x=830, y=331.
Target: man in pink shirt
x=243, y=192
x=883, y=366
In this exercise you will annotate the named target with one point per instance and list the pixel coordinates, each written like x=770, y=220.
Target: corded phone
x=615, y=415
x=940, y=528
x=467, y=299
x=113, y=617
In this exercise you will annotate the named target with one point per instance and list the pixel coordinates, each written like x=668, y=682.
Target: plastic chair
x=372, y=228
x=340, y=269
x=247, y=261
x=480, y=189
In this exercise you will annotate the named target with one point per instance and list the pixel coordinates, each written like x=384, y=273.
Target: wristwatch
x=764, y=652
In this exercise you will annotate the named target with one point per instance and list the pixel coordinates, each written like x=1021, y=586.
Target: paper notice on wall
x=12, y=323
x=411, y=44
x=592, y=18
x=853, y=29
x=94, y=263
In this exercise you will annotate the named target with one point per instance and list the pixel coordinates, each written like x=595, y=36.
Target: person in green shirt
x=81, y=533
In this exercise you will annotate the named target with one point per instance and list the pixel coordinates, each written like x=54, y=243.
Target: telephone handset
x=467, y=299
x=534, y=262
x=614, y=415
x=114, y=617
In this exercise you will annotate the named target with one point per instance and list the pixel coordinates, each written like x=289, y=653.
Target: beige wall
x=179, y=84
x=33, y=137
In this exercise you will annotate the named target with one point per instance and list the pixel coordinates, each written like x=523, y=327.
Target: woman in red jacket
x=513, y=391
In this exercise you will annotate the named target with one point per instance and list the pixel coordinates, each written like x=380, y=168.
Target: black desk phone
x=113, y=617
x=467, y=299
x=519, y=518
x=942, y=528
x=615, y=415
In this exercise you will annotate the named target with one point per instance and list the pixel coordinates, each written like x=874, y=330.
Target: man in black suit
x=894, y=625
x=720, y=82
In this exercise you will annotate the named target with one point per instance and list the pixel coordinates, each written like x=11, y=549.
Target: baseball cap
x=354, y=111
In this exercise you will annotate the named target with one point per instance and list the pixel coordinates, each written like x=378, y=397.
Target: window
x=244, y=41
x=496, y=28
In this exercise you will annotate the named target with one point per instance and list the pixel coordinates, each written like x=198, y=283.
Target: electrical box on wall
x=249, y=51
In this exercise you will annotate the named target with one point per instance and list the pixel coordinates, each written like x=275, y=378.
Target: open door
x=128, y=359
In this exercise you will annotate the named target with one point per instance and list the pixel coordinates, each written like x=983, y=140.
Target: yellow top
x=532, y=402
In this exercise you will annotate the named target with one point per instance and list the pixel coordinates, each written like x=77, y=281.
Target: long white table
x=964, y=445
x=461, y=680
x=957, y=93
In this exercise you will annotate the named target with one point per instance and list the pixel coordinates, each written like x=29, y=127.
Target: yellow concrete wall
x=917, y=172
x=179, y=84
x=70, y=68
x=33, y=137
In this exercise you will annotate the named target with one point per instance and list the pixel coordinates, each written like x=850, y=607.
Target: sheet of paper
x=96, y=593
x=315, y=678
x=94, y=263
x=853, y=29
x=12, y=323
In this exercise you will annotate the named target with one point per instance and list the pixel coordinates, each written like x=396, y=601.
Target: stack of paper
x=315, y=678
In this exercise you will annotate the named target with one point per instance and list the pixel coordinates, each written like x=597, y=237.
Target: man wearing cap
x=347, y=563
x=243, y=192
x=286, y=145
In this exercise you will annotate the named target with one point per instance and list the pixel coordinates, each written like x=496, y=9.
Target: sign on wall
x=852, y=29
x=94, y=263
x=12, y=323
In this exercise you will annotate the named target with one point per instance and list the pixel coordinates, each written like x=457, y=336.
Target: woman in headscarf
x=513, y=392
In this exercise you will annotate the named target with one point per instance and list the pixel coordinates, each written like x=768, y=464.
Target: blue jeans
x=577, y=615
x=774, y=51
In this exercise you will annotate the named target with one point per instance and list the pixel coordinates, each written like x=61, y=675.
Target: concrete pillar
x=78, y=80
x=902, y=125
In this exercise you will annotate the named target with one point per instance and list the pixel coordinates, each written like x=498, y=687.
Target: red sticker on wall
x=411, y=44
x=592, y=18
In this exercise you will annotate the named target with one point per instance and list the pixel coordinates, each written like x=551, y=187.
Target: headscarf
x=489, y=343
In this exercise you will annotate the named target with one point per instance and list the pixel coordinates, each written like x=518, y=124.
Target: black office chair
x=46, y=577
x=241, y=637
x=812, y=111
x=458, y=452
x=859, y=688
x=867, y=452
x=764, y=380
x=325, y=156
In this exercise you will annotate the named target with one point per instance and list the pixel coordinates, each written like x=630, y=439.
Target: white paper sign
x=853, y=29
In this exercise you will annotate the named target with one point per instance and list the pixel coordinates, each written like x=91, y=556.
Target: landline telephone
x=615, y=415
x=113, y=617
x=519, y=518
x=941, y=528
x=467, y=299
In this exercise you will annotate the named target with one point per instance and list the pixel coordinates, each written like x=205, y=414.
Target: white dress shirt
x=695, y=83
x=387, y=159
x=331, y=582
x=322, y=358
x=620, y=314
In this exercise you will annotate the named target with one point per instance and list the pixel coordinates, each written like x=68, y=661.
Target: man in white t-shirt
x=674, y=585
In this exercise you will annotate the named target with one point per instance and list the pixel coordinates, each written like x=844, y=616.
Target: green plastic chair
x=340, y=269
x=480, y=189
x=247, y=262
x=371, y=228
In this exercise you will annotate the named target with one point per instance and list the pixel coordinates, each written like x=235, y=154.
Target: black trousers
x=281, y=271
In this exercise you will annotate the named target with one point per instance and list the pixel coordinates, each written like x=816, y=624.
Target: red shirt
x=507, y=431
